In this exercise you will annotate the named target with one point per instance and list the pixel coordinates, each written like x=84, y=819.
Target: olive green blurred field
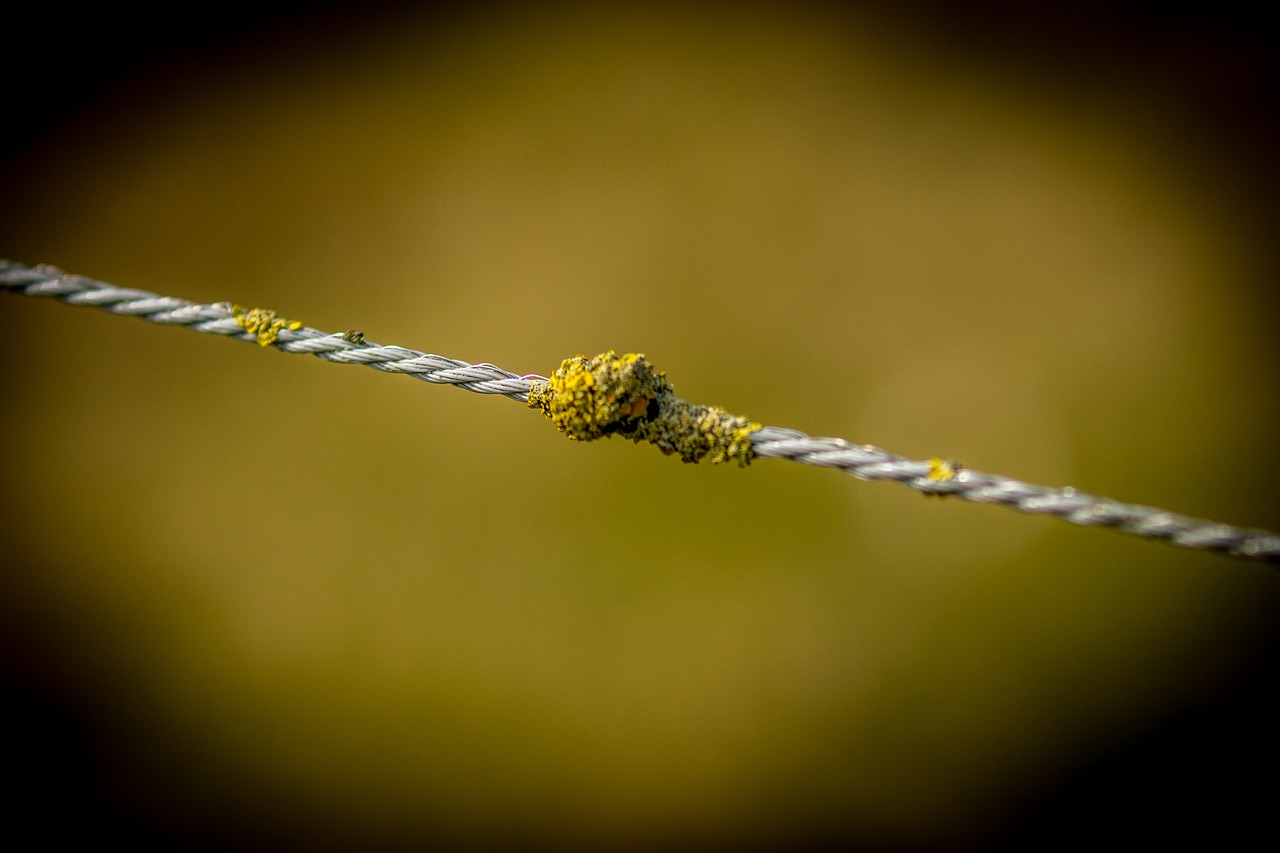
x=360, y=606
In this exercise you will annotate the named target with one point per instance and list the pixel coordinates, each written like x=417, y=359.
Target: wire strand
x=871, y=463
x=864, y=461
x=220, y=318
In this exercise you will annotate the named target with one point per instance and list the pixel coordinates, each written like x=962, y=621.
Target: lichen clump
x=263, y=323
x=941, y=471
x=607, y=394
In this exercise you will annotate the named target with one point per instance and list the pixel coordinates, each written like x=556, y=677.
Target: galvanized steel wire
x=871, y=463
x=864, y=462
x=219, y=318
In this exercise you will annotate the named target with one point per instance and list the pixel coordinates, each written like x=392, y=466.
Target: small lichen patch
x=263, y=323
x=940, y=471
x=589, y=398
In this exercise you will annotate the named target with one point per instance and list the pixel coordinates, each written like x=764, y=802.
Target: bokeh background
x=252, y=599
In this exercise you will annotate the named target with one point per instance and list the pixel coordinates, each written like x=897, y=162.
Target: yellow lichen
x=263, y=323
x=589, y=398
x=940, y=471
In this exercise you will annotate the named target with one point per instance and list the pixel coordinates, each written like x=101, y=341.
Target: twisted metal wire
x=218, y=319
x=871, y=463
x=862, y=461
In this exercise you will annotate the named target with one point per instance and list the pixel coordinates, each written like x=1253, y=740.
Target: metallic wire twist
x=219, y=319
x=871, y=463
x=862, y=461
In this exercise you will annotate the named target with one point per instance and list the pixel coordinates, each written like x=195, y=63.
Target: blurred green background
x=252, y=597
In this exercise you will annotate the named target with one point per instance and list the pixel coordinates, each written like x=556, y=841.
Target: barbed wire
x=621, y=395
